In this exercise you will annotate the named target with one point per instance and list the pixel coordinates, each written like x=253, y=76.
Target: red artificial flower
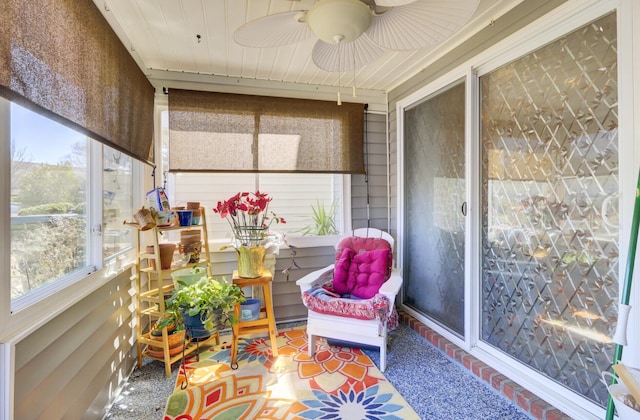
x=248, y=215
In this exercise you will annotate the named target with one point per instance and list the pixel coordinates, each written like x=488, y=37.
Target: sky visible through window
x=41, y=139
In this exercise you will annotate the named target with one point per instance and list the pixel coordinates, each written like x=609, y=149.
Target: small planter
x=187, y=276
x=195, y=327
x=166, y=255
x=184, y=217
x=195, y=219
x=190, y=253
x=250, y=310
x=175, y=341
x=159, y=351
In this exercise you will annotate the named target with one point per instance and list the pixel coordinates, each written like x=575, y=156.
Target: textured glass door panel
x=434, y=225
x=549, y=207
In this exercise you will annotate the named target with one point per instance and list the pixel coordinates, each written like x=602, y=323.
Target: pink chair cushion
x=340, y=282
x=362, y=266
x=359, y=244
x=360, y=274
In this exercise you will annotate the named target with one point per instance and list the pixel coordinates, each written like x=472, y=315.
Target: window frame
x=24, y=314
x=136, y=191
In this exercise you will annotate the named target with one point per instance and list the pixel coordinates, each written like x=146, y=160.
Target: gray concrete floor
x=145, y=394
x=434, y=385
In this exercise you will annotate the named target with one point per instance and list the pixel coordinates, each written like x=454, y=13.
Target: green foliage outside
x=42, y=252
x=324, y=221
x=50, y=184
x=50, y=208
x=45, y=250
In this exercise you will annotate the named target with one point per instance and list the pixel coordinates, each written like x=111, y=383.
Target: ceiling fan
x=352, y=33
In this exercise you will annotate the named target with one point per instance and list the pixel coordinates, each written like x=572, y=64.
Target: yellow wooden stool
x=267, y=323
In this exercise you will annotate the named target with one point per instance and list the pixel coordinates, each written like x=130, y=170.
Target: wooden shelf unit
x=151, y=292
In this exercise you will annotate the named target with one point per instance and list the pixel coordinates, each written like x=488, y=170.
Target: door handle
x=464, y=208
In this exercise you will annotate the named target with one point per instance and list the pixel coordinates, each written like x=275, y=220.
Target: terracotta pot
x=166, y=255
x=190, y=235
x=195, y=219
x=192, y=205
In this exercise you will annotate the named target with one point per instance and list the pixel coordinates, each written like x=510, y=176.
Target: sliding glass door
x=434, y=151
x=547, y=267
x=549, y=199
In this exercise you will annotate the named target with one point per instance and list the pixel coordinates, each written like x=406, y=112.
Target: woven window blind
x=222, y=132
x=60, y=58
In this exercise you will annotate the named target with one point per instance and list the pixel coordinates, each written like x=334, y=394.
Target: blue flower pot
x=194, y=327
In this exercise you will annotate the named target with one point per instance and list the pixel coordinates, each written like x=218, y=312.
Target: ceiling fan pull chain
x=354, y=72
x=339, y=82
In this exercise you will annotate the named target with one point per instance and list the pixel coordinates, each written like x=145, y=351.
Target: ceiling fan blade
x=274, y=30
x=347, y=56
x=421, y=24
x=393, y=3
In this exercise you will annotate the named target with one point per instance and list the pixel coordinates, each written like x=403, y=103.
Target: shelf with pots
x=155, y=262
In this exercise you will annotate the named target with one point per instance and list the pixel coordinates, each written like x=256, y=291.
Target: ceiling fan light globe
x=339, y=21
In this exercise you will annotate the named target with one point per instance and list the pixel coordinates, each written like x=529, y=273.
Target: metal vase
x=250, y=261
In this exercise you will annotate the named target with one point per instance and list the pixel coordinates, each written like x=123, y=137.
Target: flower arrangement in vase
x=249, y=217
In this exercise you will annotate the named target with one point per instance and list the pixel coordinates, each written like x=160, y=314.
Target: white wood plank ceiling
x=193, y=40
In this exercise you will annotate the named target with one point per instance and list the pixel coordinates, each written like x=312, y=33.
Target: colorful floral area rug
x=341, y=383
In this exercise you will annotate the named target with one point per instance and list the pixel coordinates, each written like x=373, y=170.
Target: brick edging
x=530, y=403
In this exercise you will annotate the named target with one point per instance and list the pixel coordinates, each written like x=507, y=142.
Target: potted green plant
x=324, y=221
x=207, y=302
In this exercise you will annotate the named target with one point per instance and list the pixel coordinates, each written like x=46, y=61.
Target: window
x=49, y=178
x=295, y=196
x=55, y=236
x=117, y=190
x=247, y=133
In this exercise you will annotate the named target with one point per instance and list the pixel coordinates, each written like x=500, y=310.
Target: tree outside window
x=48, y=201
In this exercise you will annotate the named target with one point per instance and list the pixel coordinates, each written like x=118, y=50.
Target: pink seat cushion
x=323, y=300
x=360, y=274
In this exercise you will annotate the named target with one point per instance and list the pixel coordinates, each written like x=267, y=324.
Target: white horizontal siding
x=75, y=364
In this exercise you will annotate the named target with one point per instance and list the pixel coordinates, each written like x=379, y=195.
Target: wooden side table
x=268, y=323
